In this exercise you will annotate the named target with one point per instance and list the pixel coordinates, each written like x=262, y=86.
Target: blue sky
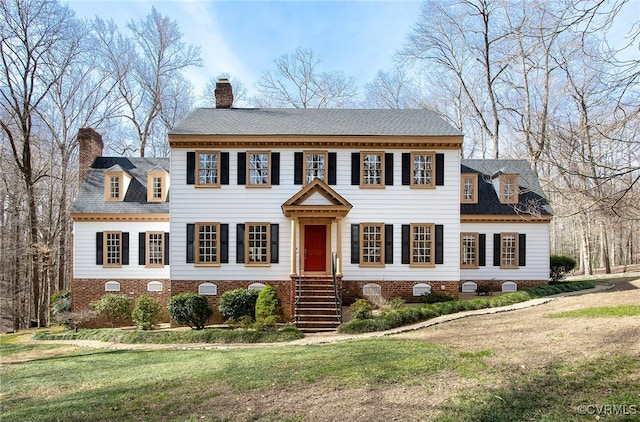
x=243, y=38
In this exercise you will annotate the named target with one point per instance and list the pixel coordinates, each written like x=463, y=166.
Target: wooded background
x=521, y=79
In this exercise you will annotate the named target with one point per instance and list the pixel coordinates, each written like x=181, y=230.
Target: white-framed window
x=259, y=168
x=208, y=168
x=421, y=289
x=422, y=245
x=154, y=286
x=423, y=169
x=208, y=289
x=372, y=169
x=112, y=286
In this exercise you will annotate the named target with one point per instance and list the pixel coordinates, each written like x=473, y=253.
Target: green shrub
x=146, y=313
x=113, y=307
x=396, y=303
x=238, y=303
x=361, y=309
x=61, y=302
x=268, y=305
x=560, y=266
x=435, y=297
x=190, y=309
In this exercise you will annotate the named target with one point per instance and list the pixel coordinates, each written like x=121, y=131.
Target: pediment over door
x=316, y=199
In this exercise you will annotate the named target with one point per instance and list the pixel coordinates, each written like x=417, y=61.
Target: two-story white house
x=328, y=205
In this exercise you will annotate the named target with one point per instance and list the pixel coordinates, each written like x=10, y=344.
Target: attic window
x=509, y=188
x=157, y=186
x=469, y=188
x=115, y=185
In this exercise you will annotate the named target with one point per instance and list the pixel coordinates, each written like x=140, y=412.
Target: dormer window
x=157, y=185
x=115, y=185
x=509, y=188
x=469, y=188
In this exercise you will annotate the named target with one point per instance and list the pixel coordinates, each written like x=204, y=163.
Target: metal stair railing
x=338, y=301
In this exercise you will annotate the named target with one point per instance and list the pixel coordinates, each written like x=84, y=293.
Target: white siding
x=537, y=252
x=84, y=251
x=233, y=204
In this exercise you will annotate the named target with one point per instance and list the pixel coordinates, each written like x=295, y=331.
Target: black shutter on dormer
x=99, y=246
x=355, y=243
x=275, y=168
x=388, y=169
x=242, y=168
x=191, y=168
x=297, y=168
x=406, y=243
x=439, y=258
x=355, y=168
x=439, y=169
x=482, y=249
x=406, y=169
x=224, y=168
x=224, y=243
x=522, y=250
x=142, y=245
x=332, y=169
x=388, y=243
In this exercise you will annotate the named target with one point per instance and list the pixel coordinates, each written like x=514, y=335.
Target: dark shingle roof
x=321, y=122
x=90, y=198
x=532, y=199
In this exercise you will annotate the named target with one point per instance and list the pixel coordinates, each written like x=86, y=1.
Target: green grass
x=600, y=312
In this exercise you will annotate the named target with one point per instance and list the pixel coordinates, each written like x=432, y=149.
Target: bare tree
x=297, y=82
x=395, y=89
x=240, y=92
x=146, y=68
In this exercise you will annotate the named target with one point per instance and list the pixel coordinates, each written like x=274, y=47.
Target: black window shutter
x=355, y=168
x=99, y=244
x=439, y=244
x=522, y=250
x=224, y=168
x=239, y=243
x=355, y=243
x=439, y=169
x=190, y=243
x=482, y=249
x=406, y=243
x=275, y=168
x=297, y=168
x=388, y=169
x=142, y=243
x=333, y=169
x=125, y=248
x=166, y=249
x=496, y=249
x=388, y=243
x=224, y=243
x=406, y=169
x=242, y=168
x=191, y=168
x=275, y=243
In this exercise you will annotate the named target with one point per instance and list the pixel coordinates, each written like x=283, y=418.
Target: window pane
x=155, y=248
x=315, y=165
x=207, y=243
x=258, y=169
x=114, y=187
x=422, y=244
x=208, y=169
x=113, y=248
x=468, y=189
x=422, y=169
x=157, y=187
x=372, y=169
x=258, y=243
x=469, y=250
x=372, y=244
x=509, y=250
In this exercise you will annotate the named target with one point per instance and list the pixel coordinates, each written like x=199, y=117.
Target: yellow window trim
x=163, y=176
x=105, y=250
x=147, y=257
x=248, y=166
x=412, y=169
x=196, y=245
x=432, y=257
x=476, y=250
x=513, y=178
x=474, y=181
x=197, y=175
x=382, y=168
x=247, y=261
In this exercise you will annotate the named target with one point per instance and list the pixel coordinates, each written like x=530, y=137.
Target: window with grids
x=208, y=168
x=372, y=244
x=156, y=187
x=422, y=244
x=207, y=243
x=372, y=169
x=509, y=188
x=469, y=191
x=257, y=243
x=258, y=168
x=114, y=187
x=315, y=165
x=508, y=250
x=112, y=249
x=155, y=249
x=423, y=166
x=469, y=250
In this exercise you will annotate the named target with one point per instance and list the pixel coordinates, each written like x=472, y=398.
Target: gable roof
x=531, y=199
x=320, y=122
x=333, y=203
x=90, y=198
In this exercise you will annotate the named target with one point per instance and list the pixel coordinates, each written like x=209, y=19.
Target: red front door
x=315, y=248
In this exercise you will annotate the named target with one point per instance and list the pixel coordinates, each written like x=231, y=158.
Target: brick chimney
x=90, y=144
x=224, y=94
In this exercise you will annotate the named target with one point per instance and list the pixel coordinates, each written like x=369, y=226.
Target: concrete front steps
x=316, y=308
